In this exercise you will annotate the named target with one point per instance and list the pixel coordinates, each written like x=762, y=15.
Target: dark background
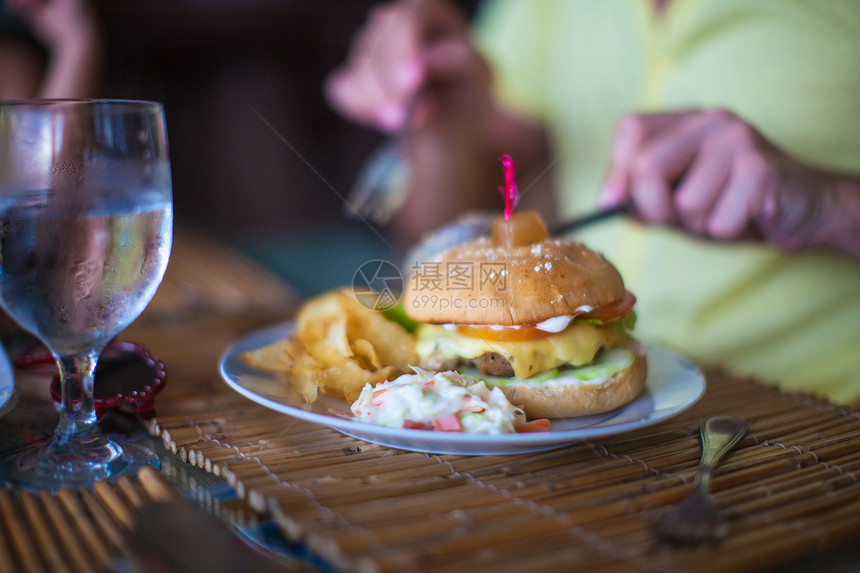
x=213, y=63
x=216, y=65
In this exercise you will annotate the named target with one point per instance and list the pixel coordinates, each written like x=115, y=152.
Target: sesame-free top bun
x=510, y=286
x=559, y=399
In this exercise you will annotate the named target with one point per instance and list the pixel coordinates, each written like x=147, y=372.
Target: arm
x=20, y=70
x=714, y=175
x=414, y=71
x=71, y=34
x=456, y=172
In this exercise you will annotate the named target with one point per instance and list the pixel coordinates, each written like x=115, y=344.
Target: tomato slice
x=604, y=313
x=539, y=425
x=613, y=310
x=507, y=334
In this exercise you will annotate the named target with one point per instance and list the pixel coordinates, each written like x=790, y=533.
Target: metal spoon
x=697, y=519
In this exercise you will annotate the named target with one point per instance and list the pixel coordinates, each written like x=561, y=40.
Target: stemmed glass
x=86, y=222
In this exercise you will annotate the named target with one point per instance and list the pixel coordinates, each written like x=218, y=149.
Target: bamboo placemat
x=76, y=530
x=210, y=294
x=790, y=488
x=135, y=524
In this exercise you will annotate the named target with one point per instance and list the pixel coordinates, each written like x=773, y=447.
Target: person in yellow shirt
x=730, y=127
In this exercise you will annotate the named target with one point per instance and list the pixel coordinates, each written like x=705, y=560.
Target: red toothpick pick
x=509, y=191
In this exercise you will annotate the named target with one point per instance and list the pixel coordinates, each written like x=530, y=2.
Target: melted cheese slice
x=577, y=344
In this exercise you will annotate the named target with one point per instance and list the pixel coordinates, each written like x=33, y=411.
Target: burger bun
x=569, y=397
x=512, y=286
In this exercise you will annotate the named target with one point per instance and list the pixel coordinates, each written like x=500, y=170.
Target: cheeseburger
x=545, y=319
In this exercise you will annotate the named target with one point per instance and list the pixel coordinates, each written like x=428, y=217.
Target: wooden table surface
x=500, y=512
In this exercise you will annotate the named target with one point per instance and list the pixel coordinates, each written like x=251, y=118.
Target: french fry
x=307, y=378
x=349, y=378
x=278, y=357
x=394, y=346
x=338, y=347
x=365, y=354
x=321, y=326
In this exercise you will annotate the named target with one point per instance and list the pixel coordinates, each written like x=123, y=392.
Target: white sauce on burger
x=552, y=325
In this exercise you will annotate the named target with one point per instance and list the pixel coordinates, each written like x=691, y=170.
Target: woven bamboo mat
x=138, y=523
x=790, y=488
x=75, y=531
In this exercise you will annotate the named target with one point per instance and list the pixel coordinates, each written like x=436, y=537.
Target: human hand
x=411, y=64
x=713, y=174
x=58, y=23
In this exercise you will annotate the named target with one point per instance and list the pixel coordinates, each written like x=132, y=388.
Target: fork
x=383, y=181
x=697, y=520
x=381, y=186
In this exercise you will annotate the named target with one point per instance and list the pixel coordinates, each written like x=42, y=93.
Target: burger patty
x=494, y=364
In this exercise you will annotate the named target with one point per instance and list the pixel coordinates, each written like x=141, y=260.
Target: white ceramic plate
x=7, y=384
x=673, y=385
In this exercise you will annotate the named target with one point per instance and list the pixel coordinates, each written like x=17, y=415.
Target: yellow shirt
x=791, y=68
